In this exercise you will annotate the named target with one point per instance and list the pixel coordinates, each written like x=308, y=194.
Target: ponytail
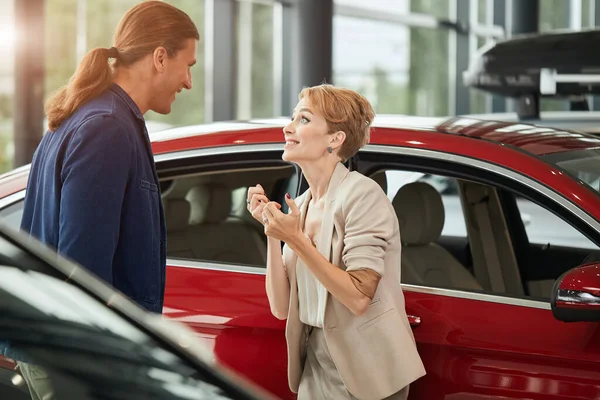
x=92, y=77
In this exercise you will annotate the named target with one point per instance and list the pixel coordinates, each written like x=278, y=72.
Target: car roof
x=581, y=121
x=391, y=121
x=500, y=129
x=504, y=131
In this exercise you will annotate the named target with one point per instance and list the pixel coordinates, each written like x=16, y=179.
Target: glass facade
x=395, y=52
x=401, y=69
x=7, y=87
x=255, y=47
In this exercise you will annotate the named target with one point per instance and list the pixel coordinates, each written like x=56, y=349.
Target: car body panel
x=453, y=338
x=239, y=329
x=13, y=183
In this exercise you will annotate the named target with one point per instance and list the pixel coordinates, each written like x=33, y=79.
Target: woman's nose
x=289, y=128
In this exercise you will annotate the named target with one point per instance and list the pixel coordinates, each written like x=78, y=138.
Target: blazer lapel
x=326, y=234
x=294, y=257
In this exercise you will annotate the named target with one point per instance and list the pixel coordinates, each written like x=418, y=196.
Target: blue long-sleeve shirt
x=93, y=195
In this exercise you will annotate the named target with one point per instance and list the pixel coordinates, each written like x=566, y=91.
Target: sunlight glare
x=7, y=36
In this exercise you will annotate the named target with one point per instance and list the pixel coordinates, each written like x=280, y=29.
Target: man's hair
x=146, y=26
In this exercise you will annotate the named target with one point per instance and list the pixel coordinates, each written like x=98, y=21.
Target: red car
x=492, y=265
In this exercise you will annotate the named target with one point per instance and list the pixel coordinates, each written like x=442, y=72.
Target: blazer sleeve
x=94, y=176
x=369, y=227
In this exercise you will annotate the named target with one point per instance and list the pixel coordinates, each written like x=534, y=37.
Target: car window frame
x=483, y=172
x=213, y=158
x=423, y=160
x=377, y=157
x=218, y=159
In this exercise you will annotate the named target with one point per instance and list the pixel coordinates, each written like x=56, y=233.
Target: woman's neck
x=318, y=178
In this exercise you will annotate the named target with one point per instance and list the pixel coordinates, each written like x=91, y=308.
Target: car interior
x=207, y=221
x=494, y=254
x=207, y=218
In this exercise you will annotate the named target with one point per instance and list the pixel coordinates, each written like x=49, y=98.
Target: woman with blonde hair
x=338, y=281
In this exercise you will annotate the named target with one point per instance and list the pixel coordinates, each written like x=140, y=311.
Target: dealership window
x=481, y=14
x=554, y=15
x=587, y=14
x=257, y=44
x=6, y=84
x=400, y=69
x=564, y=15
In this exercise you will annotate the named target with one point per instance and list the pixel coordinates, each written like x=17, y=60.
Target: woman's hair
x=146, y=26
x=344, y=110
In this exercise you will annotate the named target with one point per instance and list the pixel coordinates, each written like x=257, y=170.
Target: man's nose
x=188, y=82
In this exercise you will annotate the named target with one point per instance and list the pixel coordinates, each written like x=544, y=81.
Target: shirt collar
x=118, y=90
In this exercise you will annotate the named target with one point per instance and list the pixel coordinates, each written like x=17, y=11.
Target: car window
x=478, y=248
x=435, y=243
x=552, y=246
x=545, y=228
x=454, y=222
x=207, y=217
x=206, y=214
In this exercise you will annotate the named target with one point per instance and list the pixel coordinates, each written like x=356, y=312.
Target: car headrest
x=210, y=203
x=420, y=212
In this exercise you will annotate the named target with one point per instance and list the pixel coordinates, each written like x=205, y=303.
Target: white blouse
x=312, y=296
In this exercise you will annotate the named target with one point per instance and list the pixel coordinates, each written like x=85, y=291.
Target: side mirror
x=576, y=294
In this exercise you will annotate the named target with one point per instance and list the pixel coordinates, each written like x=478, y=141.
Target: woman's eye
x=304, y=120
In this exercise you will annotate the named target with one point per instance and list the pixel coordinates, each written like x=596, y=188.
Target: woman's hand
x=256, y=202
x=278, y=225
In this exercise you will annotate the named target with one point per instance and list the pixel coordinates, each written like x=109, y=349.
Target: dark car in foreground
x=91, y=341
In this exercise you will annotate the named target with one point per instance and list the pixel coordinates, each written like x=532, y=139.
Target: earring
x=330, y=149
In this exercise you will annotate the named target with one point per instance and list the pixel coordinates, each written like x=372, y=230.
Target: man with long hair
x=93, y=192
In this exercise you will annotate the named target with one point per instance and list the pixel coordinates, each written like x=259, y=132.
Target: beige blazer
x=375, y=353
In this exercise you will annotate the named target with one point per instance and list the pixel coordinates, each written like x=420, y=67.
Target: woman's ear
x=337, y=139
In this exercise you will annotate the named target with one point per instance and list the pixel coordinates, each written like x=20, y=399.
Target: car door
x=216, y=255
x=497, y=340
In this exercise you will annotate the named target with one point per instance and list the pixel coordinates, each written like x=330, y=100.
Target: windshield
x=581, y=164
x=87, y=350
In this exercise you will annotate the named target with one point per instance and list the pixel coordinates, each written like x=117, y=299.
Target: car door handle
x=414, y=320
